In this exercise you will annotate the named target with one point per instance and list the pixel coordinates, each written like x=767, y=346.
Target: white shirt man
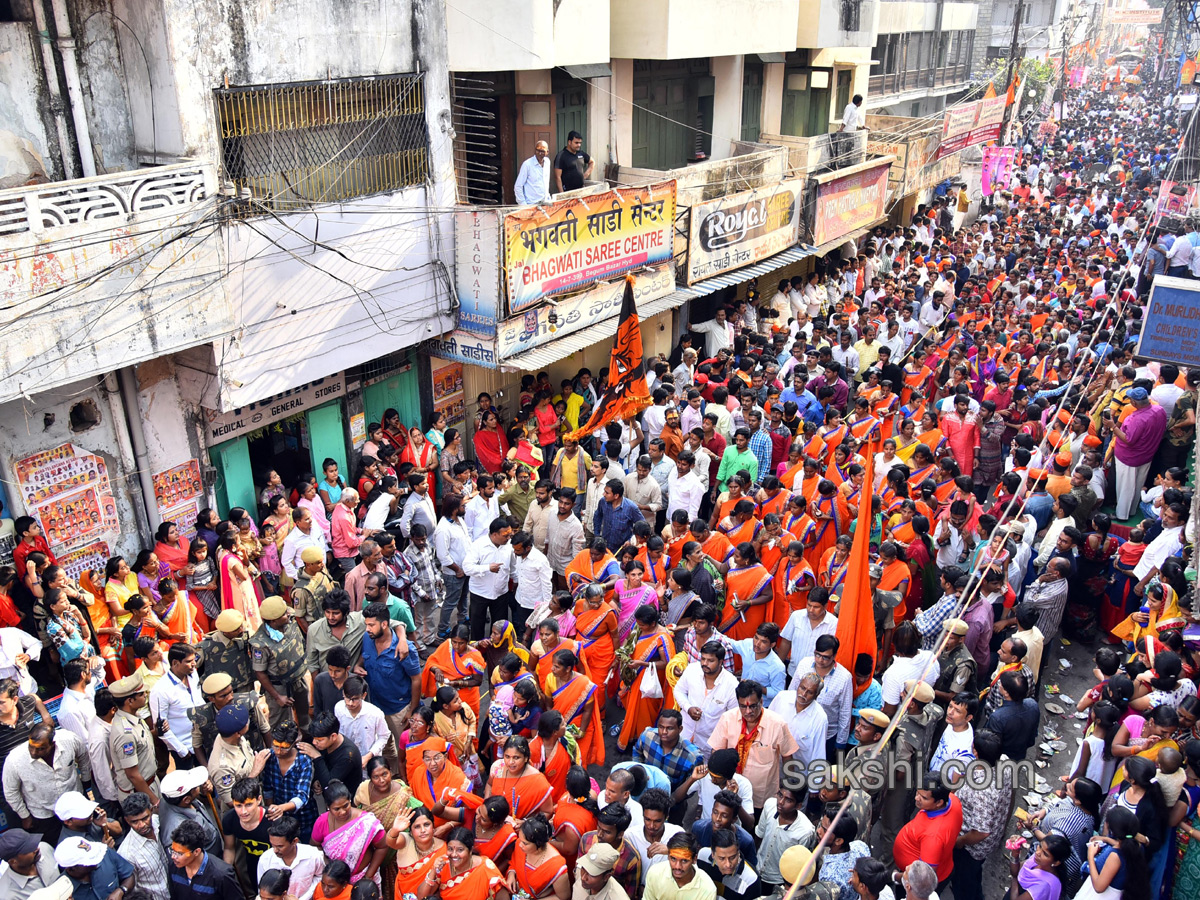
x=803, y=634
x=808, y=726
x=481, y=511
x=684, y=492
x=482, y=555
x=13, y=643
x=693, y=693
x=77, y=710
x=451, y=541
x=852, y=117
x=367, y=728
x=294, y=544
x=905, y=668
x=534, y=577
x=171, y=699
x=533, y=181
x=305, y=866
x=101, y=759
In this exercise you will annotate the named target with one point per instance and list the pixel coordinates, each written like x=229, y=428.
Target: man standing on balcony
x=572, y=167
x=852, y=118
x=533, y=181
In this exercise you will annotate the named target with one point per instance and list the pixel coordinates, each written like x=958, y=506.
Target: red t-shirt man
x=930, y=836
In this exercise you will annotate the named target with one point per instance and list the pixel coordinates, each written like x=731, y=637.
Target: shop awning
x=541, y=357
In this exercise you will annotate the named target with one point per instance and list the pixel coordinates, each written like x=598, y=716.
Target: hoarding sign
x=226, y=426
x=1135, y=16
x=568, y=245
x=850, y=203
x=1171, y=329
x=741, y=229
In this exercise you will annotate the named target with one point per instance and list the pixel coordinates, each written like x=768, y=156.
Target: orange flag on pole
x=856, y=620
x=627, y=393
x=990, y=92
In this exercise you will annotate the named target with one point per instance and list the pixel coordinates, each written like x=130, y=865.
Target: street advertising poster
x=997, y=168
x=742, y=229
x=972, y=124
x=67, y=489
x=178, y=492
x=850, y=203
x=570, y=244
x=86, y=558
x=1171, y=328
x=448, y=397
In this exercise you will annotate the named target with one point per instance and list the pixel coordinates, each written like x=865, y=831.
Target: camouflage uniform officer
x=130, y=744
x=958, y=665
x=218, y=691
x=277, y=657
x=838, y=788
x=312, y=584
x=909, y=759
x=797, y=864
x=228, y=650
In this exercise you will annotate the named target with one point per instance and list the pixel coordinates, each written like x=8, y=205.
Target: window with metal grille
x=293, y=145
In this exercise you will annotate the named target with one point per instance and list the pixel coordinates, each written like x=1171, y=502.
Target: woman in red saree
x=652, y=650
x=418, y=850
x=463, y=874
x=443, y=787
x=494, y=835
x=793, y=580
x=172, y=548
x=538, y=870
x=421, y=452
x=574, y=814
x=832, y=519
x=579, y=701
x=455, y=663
x=515, y=779
x=491, y=445
x=748, y=594
x=596, y=625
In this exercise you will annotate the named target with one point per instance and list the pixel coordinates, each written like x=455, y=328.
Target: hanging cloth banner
x=997, y=168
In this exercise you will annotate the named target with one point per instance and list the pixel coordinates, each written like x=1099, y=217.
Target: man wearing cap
x=83, y=818
x=96, y=872
x=232, y=756
x=171, y=699
x=31, y=864
x=219, y=693
x=182, y=802
x=958, y=665
x=680, y=879
x=1137, y=440
x=277, y=656
x=312, y=584
x=38, y=771
x=227, y=650
x=129, y=742
x=594, y=880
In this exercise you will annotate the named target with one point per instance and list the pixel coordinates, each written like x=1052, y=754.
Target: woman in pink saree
x=237, y=587
x=352, y=835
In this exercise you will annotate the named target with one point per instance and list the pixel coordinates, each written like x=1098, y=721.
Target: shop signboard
x=568, y=245
x=477, y=235
x=1171, y=328
x=227, y=426
x=1135, y=16
x=740, y=229
x=462, y=346
x=532, y=328
x=850, y=203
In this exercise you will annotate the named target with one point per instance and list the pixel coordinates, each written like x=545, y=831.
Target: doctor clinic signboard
x=742, y=229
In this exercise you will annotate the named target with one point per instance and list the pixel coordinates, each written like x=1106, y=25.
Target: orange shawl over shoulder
x=746, y=584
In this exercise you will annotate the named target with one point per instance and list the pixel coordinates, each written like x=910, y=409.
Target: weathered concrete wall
x=105, y=70
x=27, y=153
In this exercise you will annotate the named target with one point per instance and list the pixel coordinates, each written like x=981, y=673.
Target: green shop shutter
x=235, y=480
x=400, y=392
x=327, y=439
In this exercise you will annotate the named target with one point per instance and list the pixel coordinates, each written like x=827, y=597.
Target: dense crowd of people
x=608, y=668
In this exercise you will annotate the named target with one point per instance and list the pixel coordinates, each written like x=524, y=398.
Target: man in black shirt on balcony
x=572, y=167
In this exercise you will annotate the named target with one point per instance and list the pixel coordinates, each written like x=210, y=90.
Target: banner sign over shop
x=602, y=302
x=850, y=203
x=741, y=229
x=568, y=245
x=1135, y=16
x=477, y=270
x=226, y=426
x=460, y=346
x=1171, y=328
x=974, y=123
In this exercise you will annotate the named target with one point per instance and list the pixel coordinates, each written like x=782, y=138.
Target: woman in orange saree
x=443, y=787
x=834, y=563
x=793, y=580
x=794, y=465
x=549, y=642
x=944, y=478
x=597, y=626
x=516, y=780
x=592, y=565
x=832, y=519
x=102, y=614
x=574, y=814
x=421, y=452
x=418, y=851
x=922, y=466
x=896, y=574
x=494, y=834
x=463, y=874
x=930, y=434
x=748, y=594
x=579, y=701
x=836, y=470
x=538, y=870
x=652, y=650
x=457, y=664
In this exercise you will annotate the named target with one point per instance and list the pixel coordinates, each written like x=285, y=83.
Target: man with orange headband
x=680, y=879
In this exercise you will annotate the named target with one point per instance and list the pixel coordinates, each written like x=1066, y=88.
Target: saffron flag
x=990, y=92
x=856, y=618
x=627, y=393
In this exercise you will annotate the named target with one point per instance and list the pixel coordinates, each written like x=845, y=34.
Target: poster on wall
x=68, y=491
x=358, y=430
x=178, y=492
x=850, y=203
x=86, y=558
x=448, y=397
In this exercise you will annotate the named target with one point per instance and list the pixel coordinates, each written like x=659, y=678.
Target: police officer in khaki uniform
x=869, y=731
x=312, y=584
x=232, y=757
x=218, y=691
x=130, y=744
x=958, y=665
x=277, y=657
x=227, y=650
x=910, y=748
